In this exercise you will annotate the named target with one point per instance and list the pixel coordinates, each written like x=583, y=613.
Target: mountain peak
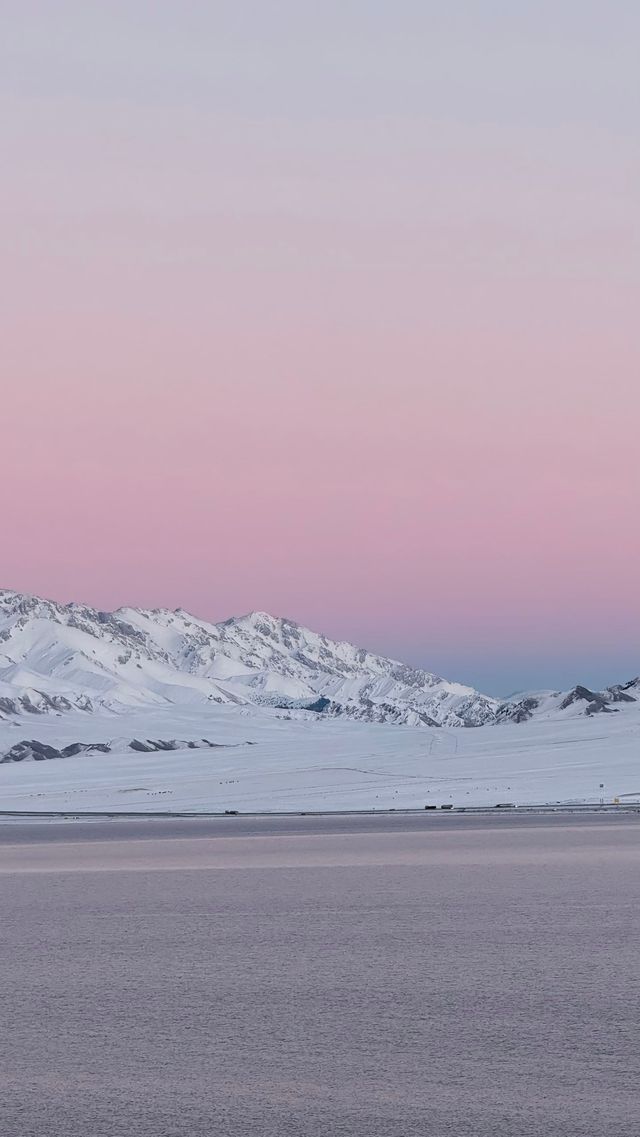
x=258, y=618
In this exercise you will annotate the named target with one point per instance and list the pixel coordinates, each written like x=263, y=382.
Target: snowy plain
x=268, y=761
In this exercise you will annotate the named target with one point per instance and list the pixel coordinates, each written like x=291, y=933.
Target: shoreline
x=511, y=809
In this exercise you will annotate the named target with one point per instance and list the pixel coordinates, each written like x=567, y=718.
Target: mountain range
x=58, y=658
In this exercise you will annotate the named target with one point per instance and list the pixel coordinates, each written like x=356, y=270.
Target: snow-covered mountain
x=578, y=701
x=59, y=657
x=64, y=657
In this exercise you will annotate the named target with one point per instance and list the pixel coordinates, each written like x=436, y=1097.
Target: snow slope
x=266, y=760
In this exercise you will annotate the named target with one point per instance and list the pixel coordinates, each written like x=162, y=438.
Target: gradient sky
x=333, y=310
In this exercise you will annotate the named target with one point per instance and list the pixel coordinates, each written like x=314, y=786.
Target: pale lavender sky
x=329, y=309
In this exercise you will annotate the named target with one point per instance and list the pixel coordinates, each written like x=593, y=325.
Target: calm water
x=475, y=978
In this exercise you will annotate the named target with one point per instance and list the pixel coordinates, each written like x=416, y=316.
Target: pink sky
x=368, y=358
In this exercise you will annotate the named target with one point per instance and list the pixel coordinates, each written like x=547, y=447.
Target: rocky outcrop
x=31, y=750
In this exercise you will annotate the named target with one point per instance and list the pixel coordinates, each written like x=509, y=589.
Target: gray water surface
x=475, y=978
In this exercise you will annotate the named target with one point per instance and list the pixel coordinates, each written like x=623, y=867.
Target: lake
x=372, y=977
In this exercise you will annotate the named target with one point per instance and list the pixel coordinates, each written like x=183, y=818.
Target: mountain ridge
x=62, y=657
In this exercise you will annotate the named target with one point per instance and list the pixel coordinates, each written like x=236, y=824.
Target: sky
x=330, y=310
